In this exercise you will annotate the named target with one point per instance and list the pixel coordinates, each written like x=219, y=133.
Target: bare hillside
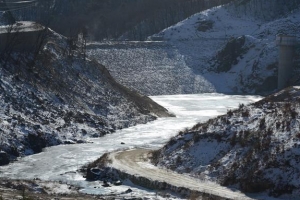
x=57, y=97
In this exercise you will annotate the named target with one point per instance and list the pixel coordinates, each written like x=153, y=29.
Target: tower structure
x=287, y=46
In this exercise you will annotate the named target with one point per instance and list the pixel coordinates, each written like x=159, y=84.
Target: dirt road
x=135, y=162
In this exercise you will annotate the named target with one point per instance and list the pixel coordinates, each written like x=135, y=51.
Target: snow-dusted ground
x=259, y=55
x=188, y=60
x=61, y=162
x=60, y=98
x=254, y=148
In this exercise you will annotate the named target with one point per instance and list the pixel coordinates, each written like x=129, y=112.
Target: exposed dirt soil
x=136, y=162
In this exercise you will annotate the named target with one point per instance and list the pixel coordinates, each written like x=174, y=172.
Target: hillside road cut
x=136, y=162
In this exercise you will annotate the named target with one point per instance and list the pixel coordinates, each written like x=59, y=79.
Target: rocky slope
x=254, y=148
x=227, y=49
x=233, y=46
x=58, y=97
x=151, y=68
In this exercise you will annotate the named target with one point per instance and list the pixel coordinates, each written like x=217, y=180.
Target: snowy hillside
x=227, y=49
x=233, y=49
x=60, y=98
x=254, y=148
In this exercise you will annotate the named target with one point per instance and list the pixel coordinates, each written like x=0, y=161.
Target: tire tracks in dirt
x=135, y=162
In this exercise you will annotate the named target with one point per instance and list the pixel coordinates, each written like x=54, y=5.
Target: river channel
x=60, y=163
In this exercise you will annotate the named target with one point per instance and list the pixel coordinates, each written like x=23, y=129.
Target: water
x=61, y=162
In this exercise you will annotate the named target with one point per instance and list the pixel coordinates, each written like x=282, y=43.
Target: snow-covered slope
x=228, y=49
x=254, y=148
x=60, y=98
x=233, y=50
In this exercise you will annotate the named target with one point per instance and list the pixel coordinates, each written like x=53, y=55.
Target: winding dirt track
x=135, y=162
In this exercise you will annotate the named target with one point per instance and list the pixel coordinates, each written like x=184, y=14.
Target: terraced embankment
x=151, y=68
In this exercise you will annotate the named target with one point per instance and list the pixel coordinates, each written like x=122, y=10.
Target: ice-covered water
x=60, y=163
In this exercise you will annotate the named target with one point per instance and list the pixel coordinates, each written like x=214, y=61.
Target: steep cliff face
x=58, y=97
x=254, y=148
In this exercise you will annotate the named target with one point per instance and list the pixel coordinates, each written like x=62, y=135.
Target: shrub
x=233, y=139
x=229, y=113
x=288, y=126
x=178, y=160
x=278, y=124
x=270, y=132
x=294, y=114
x=196, y=137
x=287, y=106
x=246, y=113
x=262, y=124
x=197, y=126
x=172, y=141
x=241, y=106
x=155, y=156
